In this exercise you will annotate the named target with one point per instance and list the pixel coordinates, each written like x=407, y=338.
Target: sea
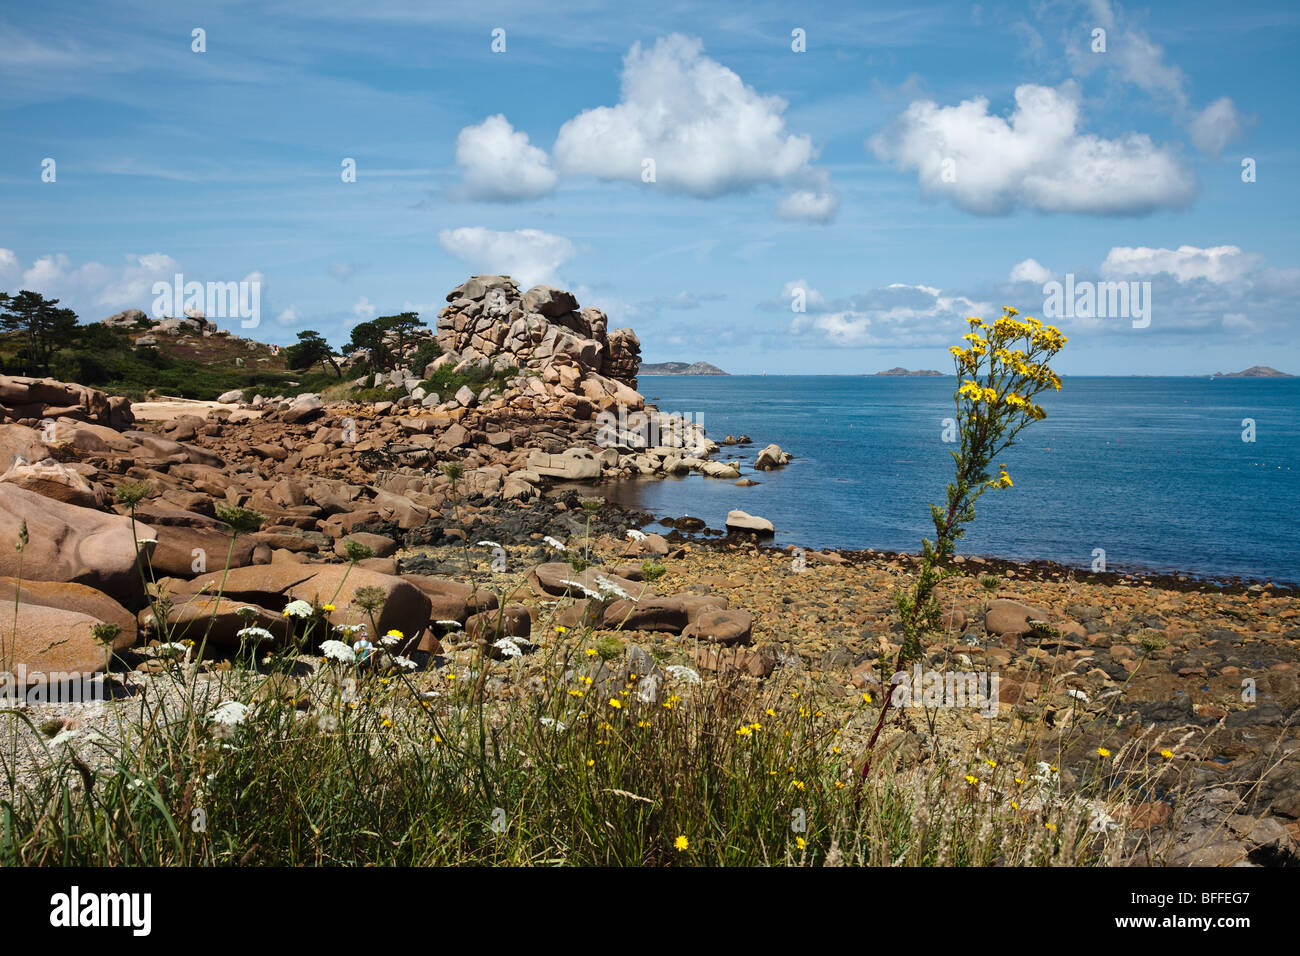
x=1196, y=476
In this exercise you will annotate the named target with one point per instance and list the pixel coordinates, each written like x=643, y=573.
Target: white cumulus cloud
x=1038, y=158
x=1216, y=126
x=707, y=132
x=1218, y=264
x=529, y=256
x=1030, y=270
x=499, y=164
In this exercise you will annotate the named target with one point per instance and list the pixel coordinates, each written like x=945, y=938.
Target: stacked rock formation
x=542, y=331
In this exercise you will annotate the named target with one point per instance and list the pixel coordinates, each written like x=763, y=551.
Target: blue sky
x=909, y=167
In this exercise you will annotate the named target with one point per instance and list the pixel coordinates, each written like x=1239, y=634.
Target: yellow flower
x=1014, y=805
x=744, y=731
x=839, y=784
x=393, y=633
x=1167, y=754
x=1103, y=752
x=866, y=698
x=770, y=712
x=575, y=693
x=797, y=784
x=561, y=629
x=972, y=780
x=1050, y=826
x=643, y=723
x=591, y=652
x=799, y=843
x=681, y=844
x=327, y=607
x=591, y=763
x=386, y=723
x=991, y=763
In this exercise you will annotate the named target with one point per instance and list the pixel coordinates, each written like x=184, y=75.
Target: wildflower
x=254, y=634
x=298, y=609
x=643, y=723
x=327, y=608
x=338, y=651
x=386, y=723
x=744, y=731
x=797, y=784
x=1014, y=805
x=509, y=646
x=770, y=712
x=230, y=713
x=800, y=843
x=615, y=703
x=551, y=722
x=448, y=623
x=635, y=535
x=972, y=780
x=1050, y=826
x=591, y=652
x=554, y=543
x=839, y=784
x=591, y=763
x=561, y=629
x=991, y=763
x=1167, y=754
x=405, y=663
x=681, y=844
x=608, y=587
x=866, y=698
x=1103, y=752
x=682, y=673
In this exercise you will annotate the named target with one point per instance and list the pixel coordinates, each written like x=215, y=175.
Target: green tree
x=310, y=350
x=370, y=336
x=43, y=326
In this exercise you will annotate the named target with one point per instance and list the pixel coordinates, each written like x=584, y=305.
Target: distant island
x=679, y=368
x=1255, y=371
x=900, y=372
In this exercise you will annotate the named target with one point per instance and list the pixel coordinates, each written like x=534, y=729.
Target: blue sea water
x=1152, y=470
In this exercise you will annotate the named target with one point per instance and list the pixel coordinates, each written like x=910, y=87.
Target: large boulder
x=69, y=597
x=216, y=620
x=1011, y=617
x=48, y=398
x=771, y=457
x=402, y=606
x=19, y=441
x=51, y=641
x=53, y=480
x=451, y=600
x=738, y=520
x=549, y=301
x=721, y=626
x=576, y=464
x=66, y=542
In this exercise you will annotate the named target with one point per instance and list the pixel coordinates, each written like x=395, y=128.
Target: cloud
x=1216, y=126
x=897, y=315
x=499, y=164
x=8, y=264
x=1037, y=158
x=708, y=133
x=289, y=316
x=529, y=256
x=363, y=310
x=806, y=205
x=92, y=287
x=1219, y=264
x=1031, y=270
x=343, y=271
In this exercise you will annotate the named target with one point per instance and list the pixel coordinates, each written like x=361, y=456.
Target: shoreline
x=1040, y=569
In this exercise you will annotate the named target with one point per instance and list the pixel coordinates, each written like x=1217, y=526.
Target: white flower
x=298, y=609
x=135, y=784
x=556, y=725
x=448, y=623
x=488, y=544
x=388, y=640
x=405, y=663
x=255, y=634
x=62, y=737
x=635, y=535
x=609, y=587
x=583, y=588
x=1078, y=695
x=1099, y=821
x=554, y=544
x=683, y=673
x=509, y=646
x=170, y=649
x=350, y=628
x=338, y=651
x=230, y=713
